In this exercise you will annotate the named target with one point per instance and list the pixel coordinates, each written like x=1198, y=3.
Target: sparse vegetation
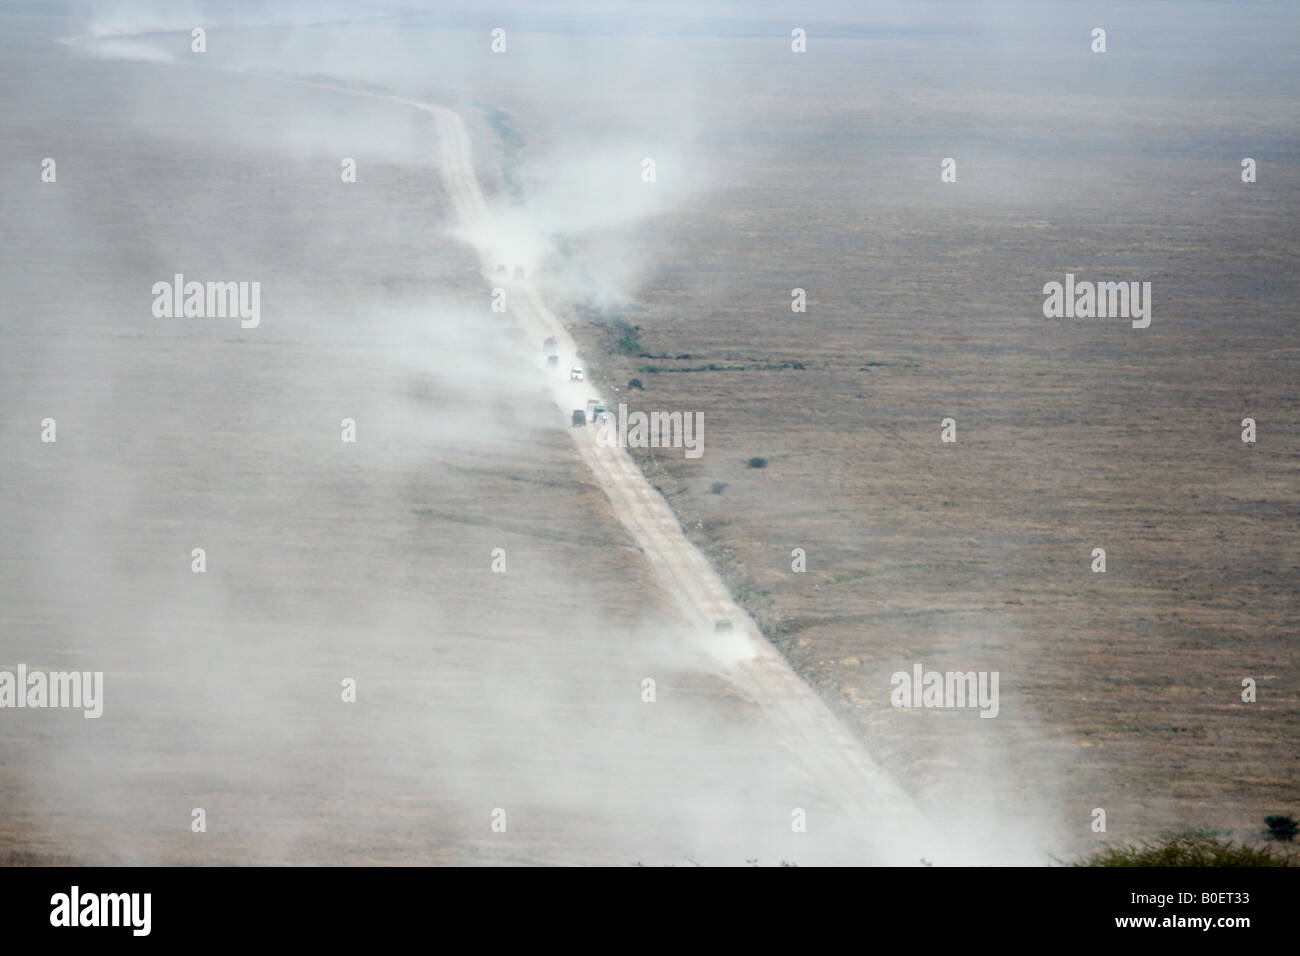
x=629, y=340
x=717, y=488
x=757, y=462
x=627, y=337
x=1190, y=849
x=635, y=384
x=511, y=144
x=714, y=367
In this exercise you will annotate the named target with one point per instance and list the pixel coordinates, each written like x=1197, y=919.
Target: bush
x=635, y=384
x=1281, y=828
x=758, y=463
x=1190, y=850
x=718, y=488
x=629, y=338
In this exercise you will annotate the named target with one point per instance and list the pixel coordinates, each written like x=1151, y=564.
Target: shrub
x=635, y=384
x=629, y=339
x=1281, y=828
x=1189, y=850
x=758, y=462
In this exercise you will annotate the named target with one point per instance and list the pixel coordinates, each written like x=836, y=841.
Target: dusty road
x=874, y=816
x=808, y=728
x=887, y=820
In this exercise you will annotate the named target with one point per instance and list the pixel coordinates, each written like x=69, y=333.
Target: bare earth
x=523, y=691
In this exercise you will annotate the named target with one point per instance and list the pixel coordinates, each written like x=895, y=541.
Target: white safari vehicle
x=576, y=374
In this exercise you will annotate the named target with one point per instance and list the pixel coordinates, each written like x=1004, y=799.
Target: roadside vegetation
x=1194, y=849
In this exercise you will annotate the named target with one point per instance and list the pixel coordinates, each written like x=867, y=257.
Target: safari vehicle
x=553, y=361
x=576, y=374
x=721, y=627
x=579, y=417
x=550, y=343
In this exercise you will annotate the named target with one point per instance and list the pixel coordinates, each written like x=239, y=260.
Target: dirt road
x=872, y=810
x=831, y=755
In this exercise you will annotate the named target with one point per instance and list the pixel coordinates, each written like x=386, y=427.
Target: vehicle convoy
x=579, y=417
x=576, y=374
